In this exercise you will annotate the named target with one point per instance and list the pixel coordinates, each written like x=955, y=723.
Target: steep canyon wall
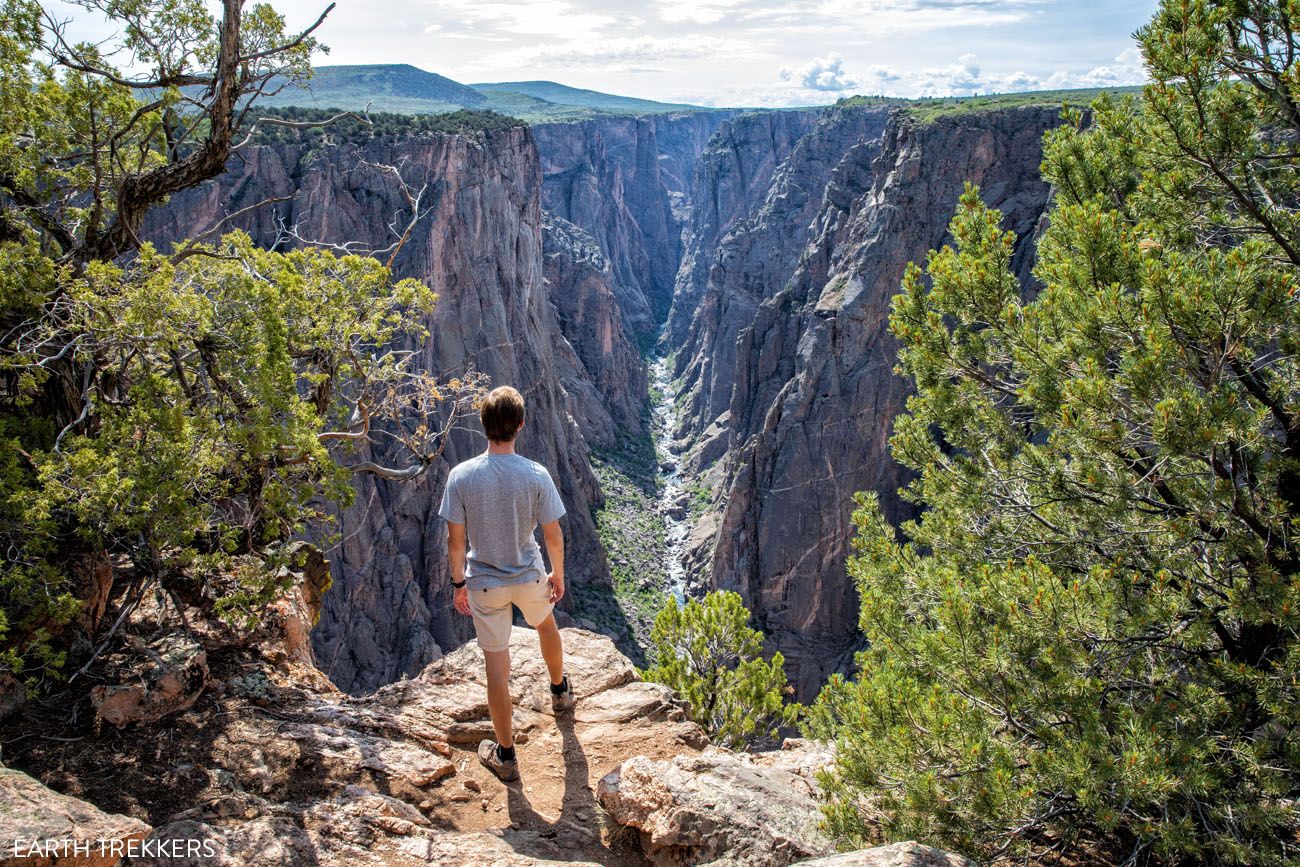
x=771, y=243
x=623, y=182
x=553, y=303
x=787, y=364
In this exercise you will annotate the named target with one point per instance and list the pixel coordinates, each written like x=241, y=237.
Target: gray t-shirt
x=501, y=499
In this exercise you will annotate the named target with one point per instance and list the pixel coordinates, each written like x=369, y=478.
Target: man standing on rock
x=496, y=501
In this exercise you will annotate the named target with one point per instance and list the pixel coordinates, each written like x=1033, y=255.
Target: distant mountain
x=397, y=87
x=562, y=94
x=403, y=89
x=400, y=88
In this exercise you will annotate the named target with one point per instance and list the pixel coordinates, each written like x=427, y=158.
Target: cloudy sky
x=746, y=52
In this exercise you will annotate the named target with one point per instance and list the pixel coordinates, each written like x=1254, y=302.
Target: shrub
x=707, y=652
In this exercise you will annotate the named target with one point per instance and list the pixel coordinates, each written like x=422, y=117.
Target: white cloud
x=881, y=17
x=622, y=53
x=553, y=18
x=822, y=73
x=696, y=11
x=1127, y=69
x=963, y=77
x=957, y=79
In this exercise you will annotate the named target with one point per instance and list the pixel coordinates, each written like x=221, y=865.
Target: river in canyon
x=672, y=497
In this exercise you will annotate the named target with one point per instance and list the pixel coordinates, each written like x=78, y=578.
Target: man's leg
x=498, y=689
x=548, y=635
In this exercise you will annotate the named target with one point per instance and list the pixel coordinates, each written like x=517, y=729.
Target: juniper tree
x=174, y=415
x=1091, y=630
x=708, y=653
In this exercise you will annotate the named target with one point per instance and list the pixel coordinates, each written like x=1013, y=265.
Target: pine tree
x=1091, y=631
x=707, y=652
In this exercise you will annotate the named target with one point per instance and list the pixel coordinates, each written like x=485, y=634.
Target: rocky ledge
x=254, y=758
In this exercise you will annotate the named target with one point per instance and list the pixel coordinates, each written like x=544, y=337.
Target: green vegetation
x=559, y=94
x=707, y=652
x=1090, y=634
x=869, y=101
x=929, y=110
x=534, y=110
x=700, y=497
x=177, y=416
x=353, y=129
x=633, y=534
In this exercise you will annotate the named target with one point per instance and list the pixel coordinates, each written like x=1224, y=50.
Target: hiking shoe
x=564, y=699
x=491, y=759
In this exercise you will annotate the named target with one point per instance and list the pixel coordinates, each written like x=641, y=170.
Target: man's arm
x=456, y=559
x=555, y=551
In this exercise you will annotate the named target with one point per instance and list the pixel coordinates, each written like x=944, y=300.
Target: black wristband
x=457, y=586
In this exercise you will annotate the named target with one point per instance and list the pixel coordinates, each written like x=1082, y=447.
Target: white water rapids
x=672, y=496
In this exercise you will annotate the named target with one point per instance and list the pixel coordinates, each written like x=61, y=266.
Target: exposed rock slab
x=908, y=854
x=305, y=775
x=32, y=816
x=171, y=679
x=721, y=807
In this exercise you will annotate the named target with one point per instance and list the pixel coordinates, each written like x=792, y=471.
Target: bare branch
x=364, y=118
x=191, y=247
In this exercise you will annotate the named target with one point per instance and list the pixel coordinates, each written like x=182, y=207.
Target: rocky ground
x=240, y=752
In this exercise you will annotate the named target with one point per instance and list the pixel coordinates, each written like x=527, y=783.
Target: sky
x=743, y=52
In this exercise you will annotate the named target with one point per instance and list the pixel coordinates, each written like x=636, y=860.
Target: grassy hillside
x=562, y=94
x=931, y=109
x=403, y=89
x=535, y=110
x=385, y=87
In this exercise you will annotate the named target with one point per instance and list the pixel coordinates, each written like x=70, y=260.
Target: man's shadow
x=579, y=814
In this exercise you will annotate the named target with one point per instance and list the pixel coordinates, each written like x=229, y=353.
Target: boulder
x=39, y=827
x=908, y=854
x=720, y=807
x=290, y=619
x=481, y=849
x=170, y=681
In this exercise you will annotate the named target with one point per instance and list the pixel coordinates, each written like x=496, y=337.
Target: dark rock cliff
x=480, y=248
x=607, y=390
x=617, y=179
x=789, y=364
x=553, y=304
x=731, y=179
x=756, y=253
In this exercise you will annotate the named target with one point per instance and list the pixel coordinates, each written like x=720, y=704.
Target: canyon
x=751, y=256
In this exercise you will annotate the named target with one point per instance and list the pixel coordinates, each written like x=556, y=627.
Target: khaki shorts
x=493, y=612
